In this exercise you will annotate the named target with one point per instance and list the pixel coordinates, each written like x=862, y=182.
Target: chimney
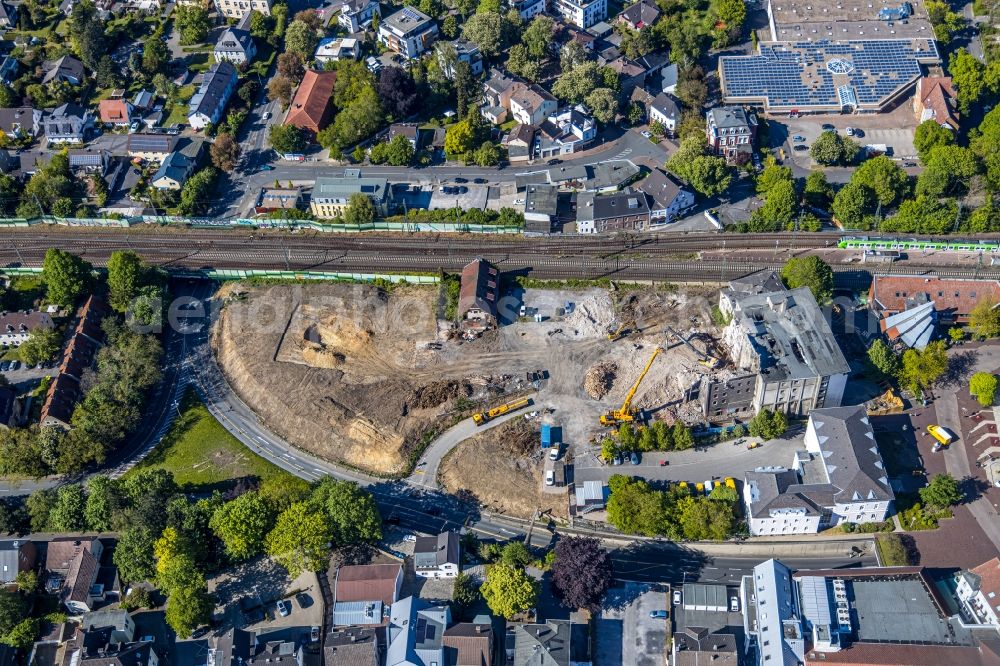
x=479, y=627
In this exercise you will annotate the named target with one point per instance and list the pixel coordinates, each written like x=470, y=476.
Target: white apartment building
x=237, y=9
x=839, y=477
x=409, y=32
x=580, y=13
x=17, y=327
x=979, y=590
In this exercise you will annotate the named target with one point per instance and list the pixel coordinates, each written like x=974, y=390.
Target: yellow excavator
x=626, y=413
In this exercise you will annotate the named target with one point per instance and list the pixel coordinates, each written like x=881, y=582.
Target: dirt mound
x=599, y=379
x=439, y=393
x=518, y=437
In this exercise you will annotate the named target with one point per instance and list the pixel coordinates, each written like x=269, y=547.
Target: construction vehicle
x=706, y=360
x=942, y=436
x=483, y=417
x=887, y=403
x=626, y=414
x=618, y=333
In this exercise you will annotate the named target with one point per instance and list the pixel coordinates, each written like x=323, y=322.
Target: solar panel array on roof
x=862, y=73
x=411, y=15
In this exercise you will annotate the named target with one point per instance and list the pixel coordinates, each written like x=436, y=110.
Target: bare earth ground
x=348, y=373
x=502, y=468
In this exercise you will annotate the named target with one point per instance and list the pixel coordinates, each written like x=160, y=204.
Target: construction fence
x=241, y=274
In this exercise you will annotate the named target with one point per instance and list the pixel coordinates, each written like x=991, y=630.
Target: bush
x=892, y=552
x=138, y=598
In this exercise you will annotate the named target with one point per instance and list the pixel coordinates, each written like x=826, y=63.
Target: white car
x=647, y=133
x=410, y=538
x=554, y=453
x=550, y=478
x=267, y=114
x=677, y=597
x=850, y=131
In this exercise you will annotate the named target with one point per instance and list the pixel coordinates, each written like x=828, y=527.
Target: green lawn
x=201, y=453
x=179, y=111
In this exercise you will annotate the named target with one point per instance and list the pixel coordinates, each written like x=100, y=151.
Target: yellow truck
x=482, y=417
x=943, y=437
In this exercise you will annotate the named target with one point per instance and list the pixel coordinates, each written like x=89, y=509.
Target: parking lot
x=247, y=597
x=644, y=644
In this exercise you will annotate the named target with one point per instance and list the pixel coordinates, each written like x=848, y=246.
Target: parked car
x=827, y=127
x=634, y=458
x=554, y=453
x=647, y=133
x=266, y=167
x=4, y=366
x=200, y=631
x=858, y=132
x=677, y=597
x=550, y=477
x=659, y=614
x=15, y=365
x=410, y=538
x=554, y=162
x=734, y=604
x=461, y=180
x=849, y=131
x=479, y=181
x=314, y=634
x=800, y=147
x=266, y=115
x=284, y=608
x=798, y=138
x=617, y=460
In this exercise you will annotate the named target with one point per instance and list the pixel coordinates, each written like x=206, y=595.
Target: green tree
x=818, y=191
x=830, y=148
x=192, y=22
x=516, y=554
x=260, y=25
x=485, y=30
x=635, y=508
x=22, y=635
x=664, y=436
x=772, y=175
x=125, y=274
x=768, y=424
x=779, y=211
x=465, y=595
x=400, y=151
x=983, y=385
x=459, y=138
x=984, y=319
x=189, y=605
x=66, y=276
x=928, y=136
x=810, y=272
x=41, y=345
x=487, y=154
x=709, y=175
x=242, y=525
x=603, y=104
x=949, y=169
x=301, y=38
x=921, y=368
x=538, y=35
x=286, y=139
x=681, y=436
x=12, y=610
x=701, y=518
x=134, y=554
x=352, y=512
x=509, y=590
x=733, y=13
x=196, y=193
x=360, y=209
x=300, y=539
x=884, y=177
x=104, y=502
x=942, y=492
x=520, y=62
x=67, y=514
x=969, y=76
x=881, y=356
x=852, y=203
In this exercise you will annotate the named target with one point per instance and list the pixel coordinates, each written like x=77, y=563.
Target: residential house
x=408, y=32
x=979, y=590
x=731, y=132
x=780, y=640
x=331, y=194
x=496, y=95
x=631, y=74
x=565, y=132
x=103, y=638
x=668, y=78
x=936, y=100
x=416, y=633
x=520, y=143
x=530, y=104
x=151, y=147
x=581, y=13
x=449, y=54
x=17, y=326
x=331, y=49
x=408, y=130
x=208, y=103
x=144, y=101
x=665, y=110
x=10, y=411
x=69, y=123
x=89, y=160
x=79, y=354
x=67, y=69
x=469, y=643
x=310, y=108
x=782, y=342
x=952, y=298
x=438, y=556
x=235, y=647
x=74, y=573
x=541, y=207
x=117, y=112
x=697, y=646
x=178, y=166
x=364, y=593
x=352, y=646
x=528, y=9
x=597, y=214
x=16, y=556
x=642, y=14
x=552, y=643
x=668, y=197
x=235, y=46
x=276, y=198
x=478, y=296
x=20, y=122
x=8, y=15
x=357, y=14
x=839, y=478
x=238, y=9
x=9, y=69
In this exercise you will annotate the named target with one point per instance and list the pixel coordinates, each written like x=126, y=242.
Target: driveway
x=644, y=643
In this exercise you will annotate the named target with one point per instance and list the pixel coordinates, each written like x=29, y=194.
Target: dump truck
x=626, y=413
x=482, y=417
x=943, y=437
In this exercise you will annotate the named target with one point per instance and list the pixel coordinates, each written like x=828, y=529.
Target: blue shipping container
x=546, y=436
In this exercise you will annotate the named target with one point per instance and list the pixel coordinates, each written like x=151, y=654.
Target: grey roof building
x=66, y=68
x=668, y=197
x=640, y=15
x=235, y=46
x=21, y=121
x=553, y=643
x=437, y=557
x=8, y=15
x=774, y=616
x=330, y=194
x=16, y=555
x=600, y=213
x=351, y=646
x=208, y=102
x=416, y=633
x=69, y=123
x=9, y=68
x=233, y=648
x=697, y=646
